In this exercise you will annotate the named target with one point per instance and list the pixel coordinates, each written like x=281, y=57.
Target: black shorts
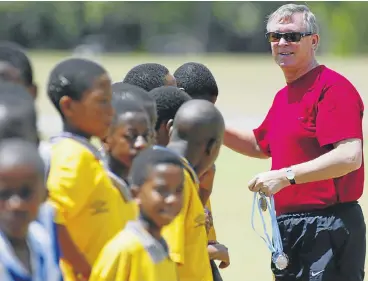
x=324, y=245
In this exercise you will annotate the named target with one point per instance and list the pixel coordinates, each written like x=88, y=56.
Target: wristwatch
x=290, y=175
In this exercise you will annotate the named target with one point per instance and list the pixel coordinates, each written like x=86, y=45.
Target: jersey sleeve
x=71, y=184
x=111, y=265
x=174, y=233
x=212, y=232
x=207, y=179
x=261, y=135
x=339, y=116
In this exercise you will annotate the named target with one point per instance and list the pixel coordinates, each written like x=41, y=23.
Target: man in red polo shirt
x=313, y=133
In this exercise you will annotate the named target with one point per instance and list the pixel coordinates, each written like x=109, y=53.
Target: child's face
x=128, y=137
x=93, y=113
x=161, y=197
x=21, y=193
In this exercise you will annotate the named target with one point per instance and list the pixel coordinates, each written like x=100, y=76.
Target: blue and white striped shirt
x=41, y=255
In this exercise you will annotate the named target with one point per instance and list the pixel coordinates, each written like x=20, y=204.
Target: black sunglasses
x=288, y=36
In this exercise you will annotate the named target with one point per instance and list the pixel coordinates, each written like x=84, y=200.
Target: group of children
x=135, y=207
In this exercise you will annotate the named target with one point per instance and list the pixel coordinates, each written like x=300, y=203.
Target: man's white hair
x=286, y=11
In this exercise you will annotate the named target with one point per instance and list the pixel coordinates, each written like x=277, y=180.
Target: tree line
x=172, y=27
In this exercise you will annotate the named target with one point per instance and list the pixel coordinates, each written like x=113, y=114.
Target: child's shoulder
x=68, y=144
x=38, y=235
x=128, y=240
x=71, y=151
x=124, y=242
x=41, y=244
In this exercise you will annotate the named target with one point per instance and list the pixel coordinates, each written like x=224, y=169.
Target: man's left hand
x=269, y=182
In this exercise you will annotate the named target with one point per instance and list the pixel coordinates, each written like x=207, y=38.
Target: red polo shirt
x=306, y=118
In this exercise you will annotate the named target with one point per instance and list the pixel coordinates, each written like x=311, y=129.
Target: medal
x=281, y=261
x=263, y=202
x=274, y=243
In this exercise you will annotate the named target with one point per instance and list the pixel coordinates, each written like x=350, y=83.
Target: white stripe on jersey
x=42, y=261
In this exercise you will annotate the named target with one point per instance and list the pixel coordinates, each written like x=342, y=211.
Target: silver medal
x=281, y=261
x=263, y=202
x=274, y=244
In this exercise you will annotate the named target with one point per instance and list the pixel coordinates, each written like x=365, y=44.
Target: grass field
x=247, y=85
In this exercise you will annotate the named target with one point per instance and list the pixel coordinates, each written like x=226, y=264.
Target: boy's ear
x=66, y=105
x=135, y=190
x=169, y=124
x=33, y=90
x=214, y=99
x=106, y=143
x=46, y=194
x=171, y=130
x=210, y=146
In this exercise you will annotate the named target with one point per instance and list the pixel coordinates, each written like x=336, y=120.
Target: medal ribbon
x=275, y=246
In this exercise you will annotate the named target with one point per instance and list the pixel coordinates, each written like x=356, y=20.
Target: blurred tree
x=173, y=26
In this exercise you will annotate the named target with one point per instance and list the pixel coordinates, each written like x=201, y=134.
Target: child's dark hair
x=168, y=101
x=19, y=151
x=196, y=80
x=9, y=73
x=131, y=92
x=148, y=159
x=147, y=76
x=72, y=77
x=126, y=91
x=122, y=106
x=13, y=54
x=18, y=117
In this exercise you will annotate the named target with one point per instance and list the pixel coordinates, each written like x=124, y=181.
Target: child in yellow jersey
x=199, y=82
x=139, y=253
x=127, y=136
x=168, y=101
x=88, y=207
x=196, y=135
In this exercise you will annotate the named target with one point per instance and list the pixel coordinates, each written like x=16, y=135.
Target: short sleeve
x=70, y=184
x=212, y=232
x=174, y=233
x=261, y=134
x=111, y=265
x=339, y=114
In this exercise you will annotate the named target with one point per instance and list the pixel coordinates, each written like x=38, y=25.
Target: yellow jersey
x=186, y=234
x=134, y=255
x=86, y=202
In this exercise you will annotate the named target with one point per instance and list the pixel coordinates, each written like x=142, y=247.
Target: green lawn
x=247, y=85
x=232, y=203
